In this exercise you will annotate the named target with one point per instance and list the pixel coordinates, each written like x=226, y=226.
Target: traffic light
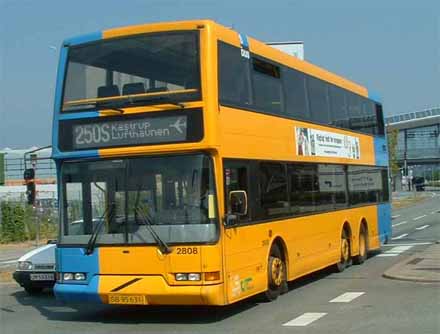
x=29, y=177
x=29, y=174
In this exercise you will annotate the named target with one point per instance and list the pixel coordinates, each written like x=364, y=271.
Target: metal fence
x=14, y=168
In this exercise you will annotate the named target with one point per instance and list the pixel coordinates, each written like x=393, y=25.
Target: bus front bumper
x=139, y=290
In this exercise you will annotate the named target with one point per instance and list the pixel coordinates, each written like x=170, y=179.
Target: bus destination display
x=130, y=132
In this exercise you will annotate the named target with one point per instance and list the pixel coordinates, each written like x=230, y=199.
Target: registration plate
x=127, y=299
x=42, y=277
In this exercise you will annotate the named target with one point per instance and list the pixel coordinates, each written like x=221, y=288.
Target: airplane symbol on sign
x=179, y=124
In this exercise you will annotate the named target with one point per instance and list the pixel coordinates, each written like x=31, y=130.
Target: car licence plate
x=42, y=277
x=127, y=299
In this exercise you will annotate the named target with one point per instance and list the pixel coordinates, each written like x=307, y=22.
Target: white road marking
x=346, y=297
x=409, y=244
x=387, y=254
x=433, y=213
x=7, y=262
x=420, y=217
x=396, y=216
x=395, y=251
x=401, y=223
x=400, y=236
x=305, y=319
x=422, y=227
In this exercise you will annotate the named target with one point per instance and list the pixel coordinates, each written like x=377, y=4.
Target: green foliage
x=13, y=227
x=6, y=227
x=20, y=223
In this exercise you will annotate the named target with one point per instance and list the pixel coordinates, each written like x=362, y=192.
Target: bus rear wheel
x=276, y=275
x=345, y=260
x=363, y=247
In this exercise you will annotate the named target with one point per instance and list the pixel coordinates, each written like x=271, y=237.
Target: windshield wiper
x=163, y=246
x=92, y=241
x=131, y=99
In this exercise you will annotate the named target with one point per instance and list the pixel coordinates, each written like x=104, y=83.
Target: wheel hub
x=277, y=271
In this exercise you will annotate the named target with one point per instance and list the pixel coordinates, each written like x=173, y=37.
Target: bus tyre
x=363, y=247
x=276, y=275
x=345, y=259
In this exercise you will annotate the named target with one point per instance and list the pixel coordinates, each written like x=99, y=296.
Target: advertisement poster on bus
x=362, y=179
x=312, y=142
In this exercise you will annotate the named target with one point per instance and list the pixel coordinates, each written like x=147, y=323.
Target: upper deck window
x=234, y=73
x=267, y=86
x=132, y=71
x=256, y=83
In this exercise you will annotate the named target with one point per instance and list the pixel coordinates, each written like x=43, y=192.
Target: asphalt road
x=367, y=303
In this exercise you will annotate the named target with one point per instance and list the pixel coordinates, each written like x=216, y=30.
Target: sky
x=390, y=46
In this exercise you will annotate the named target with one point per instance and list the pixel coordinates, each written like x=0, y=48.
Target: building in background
x=293, y=48
x=12, y=166
x=418, y=143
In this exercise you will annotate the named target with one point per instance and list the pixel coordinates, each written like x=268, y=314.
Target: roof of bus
x=232, y=37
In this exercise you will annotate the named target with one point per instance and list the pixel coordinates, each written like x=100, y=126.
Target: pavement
x=421, y=267
x=411, y=196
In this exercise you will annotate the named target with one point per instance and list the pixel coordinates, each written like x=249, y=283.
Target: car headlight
x=24, y=265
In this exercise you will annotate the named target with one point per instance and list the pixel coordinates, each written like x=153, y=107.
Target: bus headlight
x=187, y=277
x=74, y=276
x=80, y=277
x=181, y=277
x=68, y=277
x=194, y=277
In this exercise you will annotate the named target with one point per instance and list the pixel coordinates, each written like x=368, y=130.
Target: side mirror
x=238, y=202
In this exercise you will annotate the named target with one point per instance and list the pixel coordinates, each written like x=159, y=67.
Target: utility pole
x=29, y=177
x=405, y=163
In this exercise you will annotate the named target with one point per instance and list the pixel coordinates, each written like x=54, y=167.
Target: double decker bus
x=198, y=166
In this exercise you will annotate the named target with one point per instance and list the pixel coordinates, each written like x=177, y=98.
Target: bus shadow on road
x=53, y=309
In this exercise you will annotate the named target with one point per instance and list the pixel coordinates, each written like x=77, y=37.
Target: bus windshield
x=174, y=195
x=138, y=70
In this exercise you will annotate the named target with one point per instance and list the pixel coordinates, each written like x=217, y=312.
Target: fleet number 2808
x=187, y=250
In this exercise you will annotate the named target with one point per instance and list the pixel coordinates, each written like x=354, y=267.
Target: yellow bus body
x=241, y=254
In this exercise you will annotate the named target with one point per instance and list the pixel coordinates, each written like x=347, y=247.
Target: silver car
x=36, y=269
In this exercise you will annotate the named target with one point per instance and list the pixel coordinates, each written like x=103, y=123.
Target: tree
x=18, y=221
x=392, y=149
x=12, y=228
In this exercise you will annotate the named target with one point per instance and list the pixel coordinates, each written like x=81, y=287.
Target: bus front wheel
x=276, y=275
